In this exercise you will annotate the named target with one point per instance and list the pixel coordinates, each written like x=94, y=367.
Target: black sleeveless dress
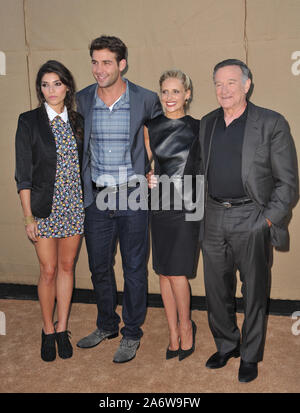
x=176, y=152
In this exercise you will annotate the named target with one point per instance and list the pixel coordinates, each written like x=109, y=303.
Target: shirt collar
x=241, y=117
x=52, y=114
x=124, y=98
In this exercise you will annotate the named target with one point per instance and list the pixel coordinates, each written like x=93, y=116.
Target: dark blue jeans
x=102, y=230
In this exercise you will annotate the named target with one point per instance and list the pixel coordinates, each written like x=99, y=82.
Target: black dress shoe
x=218, y=360
x=64, y=346
x=170, y=354
x=185, y=353
x=48, y=349
x=247, y=371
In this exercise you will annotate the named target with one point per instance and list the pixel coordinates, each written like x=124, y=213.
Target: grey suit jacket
x=144, y=105
x=269, y=166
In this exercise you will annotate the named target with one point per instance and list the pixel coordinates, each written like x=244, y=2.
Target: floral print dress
x=67, y=215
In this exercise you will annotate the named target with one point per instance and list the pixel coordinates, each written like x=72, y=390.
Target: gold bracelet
x=29, y=220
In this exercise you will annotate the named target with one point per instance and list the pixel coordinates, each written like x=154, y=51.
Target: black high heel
x=185, y=353
x=170, y=354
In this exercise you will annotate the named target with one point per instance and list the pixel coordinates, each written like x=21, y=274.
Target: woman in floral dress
x=48, y=157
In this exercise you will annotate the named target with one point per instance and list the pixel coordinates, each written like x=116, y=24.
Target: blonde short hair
x=183, y=77
x=177, y=74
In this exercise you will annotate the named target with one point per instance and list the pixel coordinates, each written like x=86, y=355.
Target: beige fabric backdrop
x=193, y=35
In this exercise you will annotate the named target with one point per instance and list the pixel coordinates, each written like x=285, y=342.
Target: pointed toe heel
x=170, y=354
x=186, y=353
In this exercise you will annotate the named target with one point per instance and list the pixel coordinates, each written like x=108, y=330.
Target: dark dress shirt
x=225, y=163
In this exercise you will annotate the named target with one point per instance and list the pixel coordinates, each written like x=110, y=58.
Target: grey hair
x=246, y=73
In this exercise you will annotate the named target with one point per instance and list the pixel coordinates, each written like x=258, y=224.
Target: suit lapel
x=136, y=113
x=207, y=137
x=88, y=116
x=45, y=132
x=252, y=139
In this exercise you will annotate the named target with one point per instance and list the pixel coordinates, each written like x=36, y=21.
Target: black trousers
x=237, y=238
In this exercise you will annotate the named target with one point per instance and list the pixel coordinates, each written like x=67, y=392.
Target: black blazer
x=269, y=166
x=36, y=157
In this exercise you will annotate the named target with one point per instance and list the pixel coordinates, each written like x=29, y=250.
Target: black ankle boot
x=48, y=349
x=65, y=349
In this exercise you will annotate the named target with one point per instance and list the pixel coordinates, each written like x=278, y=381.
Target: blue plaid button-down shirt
x=110, y=144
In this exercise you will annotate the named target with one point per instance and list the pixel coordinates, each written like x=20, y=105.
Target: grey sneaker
x=95, y=338
x=126, y=351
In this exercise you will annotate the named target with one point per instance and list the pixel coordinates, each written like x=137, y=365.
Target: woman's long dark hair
x=66, y=77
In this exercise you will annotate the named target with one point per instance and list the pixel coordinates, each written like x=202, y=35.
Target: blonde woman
x=172, y=140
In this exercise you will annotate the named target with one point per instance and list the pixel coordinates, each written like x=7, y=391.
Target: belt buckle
x=227, y=204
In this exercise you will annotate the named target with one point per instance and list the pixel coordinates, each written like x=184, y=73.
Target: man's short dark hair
x=234, y=62
x=112, y=43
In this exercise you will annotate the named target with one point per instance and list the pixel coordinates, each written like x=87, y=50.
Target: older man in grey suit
x=252, y=184
x=115, y=111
